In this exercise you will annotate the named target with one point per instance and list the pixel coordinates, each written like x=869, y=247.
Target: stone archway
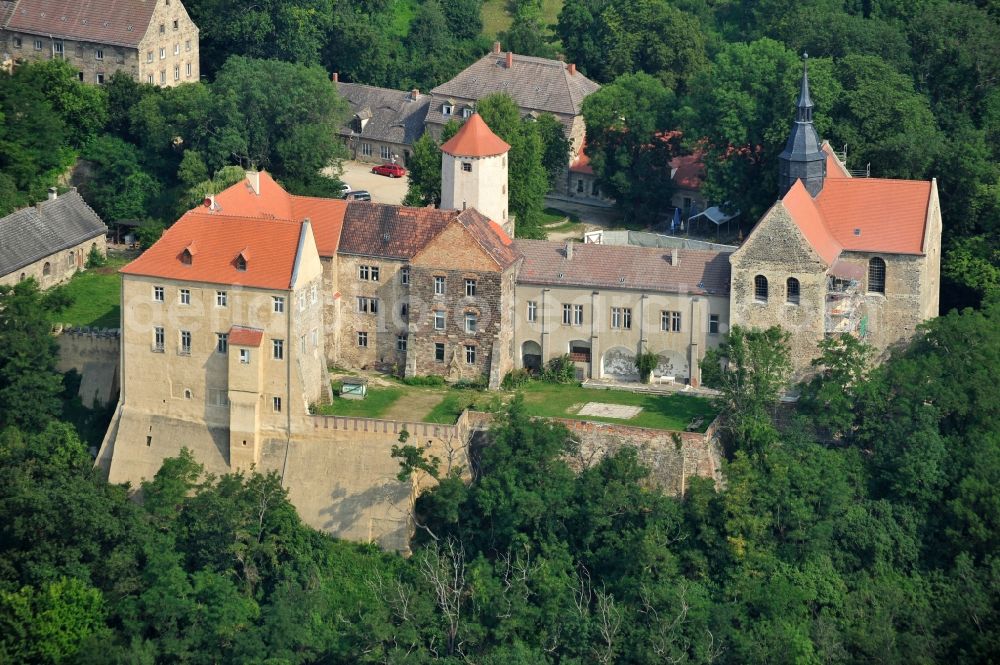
x=672, y=363
x=531, y=356
x=619, y=363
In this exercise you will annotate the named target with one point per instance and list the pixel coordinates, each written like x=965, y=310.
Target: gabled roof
x=536, y=84
x=395, y=116
x=116, y=22
x=807, y=216
x=273, y=202
x=876, y=215
x=688, y=171
x=475, y=139
x=31, y=234
x=623, y=267
x=490, y=236
x=219, y=239
x=388, y=231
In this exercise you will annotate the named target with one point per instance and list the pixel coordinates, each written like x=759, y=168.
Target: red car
x=391, y=170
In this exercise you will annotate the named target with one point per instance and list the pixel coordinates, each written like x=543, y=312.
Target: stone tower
x=803, y=158
x=474, y=172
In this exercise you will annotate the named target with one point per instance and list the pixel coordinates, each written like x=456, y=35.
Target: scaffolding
x=844, y=307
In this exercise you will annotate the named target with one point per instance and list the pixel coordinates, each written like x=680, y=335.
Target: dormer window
x=467, y=112
x=241, y=261
x=447, y=109
x=187, y=257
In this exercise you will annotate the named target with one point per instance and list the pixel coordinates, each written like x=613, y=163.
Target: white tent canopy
x=713, y=215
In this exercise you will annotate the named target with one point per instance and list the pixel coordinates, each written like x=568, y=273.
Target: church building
x=837, y=254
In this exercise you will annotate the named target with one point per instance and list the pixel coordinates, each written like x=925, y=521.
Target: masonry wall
x=94, y=355
x=777, y=250
x=382, y=328
x=456, y=257
x=376, y=150
x=82, y=55
x=172, y=31
x=671, y=457
x=59, y=266
x=612, y=350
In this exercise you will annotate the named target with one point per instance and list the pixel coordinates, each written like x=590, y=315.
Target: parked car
x=344, y=188
x=357, y=195
x=391, y=170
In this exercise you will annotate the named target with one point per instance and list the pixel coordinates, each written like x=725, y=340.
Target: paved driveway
x=383, y=189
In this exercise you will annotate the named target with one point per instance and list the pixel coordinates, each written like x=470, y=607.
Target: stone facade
x=473, y=286
x=162, y=52
x=381, y=328
x=58, y=267
x=777, y=251
x=602, y=350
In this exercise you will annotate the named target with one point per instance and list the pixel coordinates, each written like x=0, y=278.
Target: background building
x=385, y=123
x=154, y=41
x=51, y=240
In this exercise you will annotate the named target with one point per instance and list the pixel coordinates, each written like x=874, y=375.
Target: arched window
x=760, y=288
x=792, y=290
x=876, y=276
x=47, y=269
x=22, y=277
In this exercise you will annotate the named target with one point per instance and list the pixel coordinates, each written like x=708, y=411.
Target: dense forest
x=859, y=526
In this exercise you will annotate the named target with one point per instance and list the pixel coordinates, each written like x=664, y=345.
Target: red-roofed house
x=221, y=334
x=856, y=256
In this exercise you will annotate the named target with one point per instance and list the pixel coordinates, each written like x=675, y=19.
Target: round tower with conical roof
x=803, y=157
x=474, y=172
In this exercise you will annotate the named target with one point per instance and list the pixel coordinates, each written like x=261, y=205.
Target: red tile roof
x=490, y=236
x=388, y=231
x=240, y=336
x=800, y=205
x=475, y=139
x=582, y=162
x=690, y=170
x=834, y=167
x=273, y=202
x=876, y=215
x=117, y=22
x=272, y=245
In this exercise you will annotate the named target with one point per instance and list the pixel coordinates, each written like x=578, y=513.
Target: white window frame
x=471, y=323
x=440, y=321
x=185, y=345
x=185, y=296
x=363, y=339
x=278, y=304
x=440, y=284
x=159, y=339
x=470, y=354
x=222, y=343
x=470, y=288
x=277, y=349
x=532, y=311
x=244, y=356
x=221, y=299
x=158, y=294
x=577, y=315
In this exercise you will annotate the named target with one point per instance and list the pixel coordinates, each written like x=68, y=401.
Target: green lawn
x=450, y=408
x=96, y=296
x=497, y=19
x=377, y=402
x=670, y=412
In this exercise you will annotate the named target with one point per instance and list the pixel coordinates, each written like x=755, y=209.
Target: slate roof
x=536, y=84
x=31, y=234
x=395, y=117
x=475, y=139
x=117, y=22
x=215, y=241
x=698, y=272
x=388, y=231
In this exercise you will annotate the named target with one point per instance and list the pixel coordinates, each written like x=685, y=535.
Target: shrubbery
x=429, y=380
x=516, y=378
x=559, y=370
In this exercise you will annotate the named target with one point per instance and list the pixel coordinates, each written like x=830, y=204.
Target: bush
x=95, y=259
x=711, y=368
x=478, y=383
x=559, y=370
x=429, y=380
x=516, y=378
x=646, y=362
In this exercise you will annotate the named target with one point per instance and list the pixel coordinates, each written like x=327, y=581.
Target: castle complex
x=231, y=319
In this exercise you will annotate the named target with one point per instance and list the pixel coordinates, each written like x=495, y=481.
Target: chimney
x=496, y=47
x=675, y=256
x=572, y=68
x=253, y=177
x=336, y=77
x=209, y=202
x=53, y=194
x=414, y=94
x=569, y=250
x=510, y=60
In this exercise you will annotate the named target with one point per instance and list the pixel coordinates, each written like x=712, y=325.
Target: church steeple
x=803, y=158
